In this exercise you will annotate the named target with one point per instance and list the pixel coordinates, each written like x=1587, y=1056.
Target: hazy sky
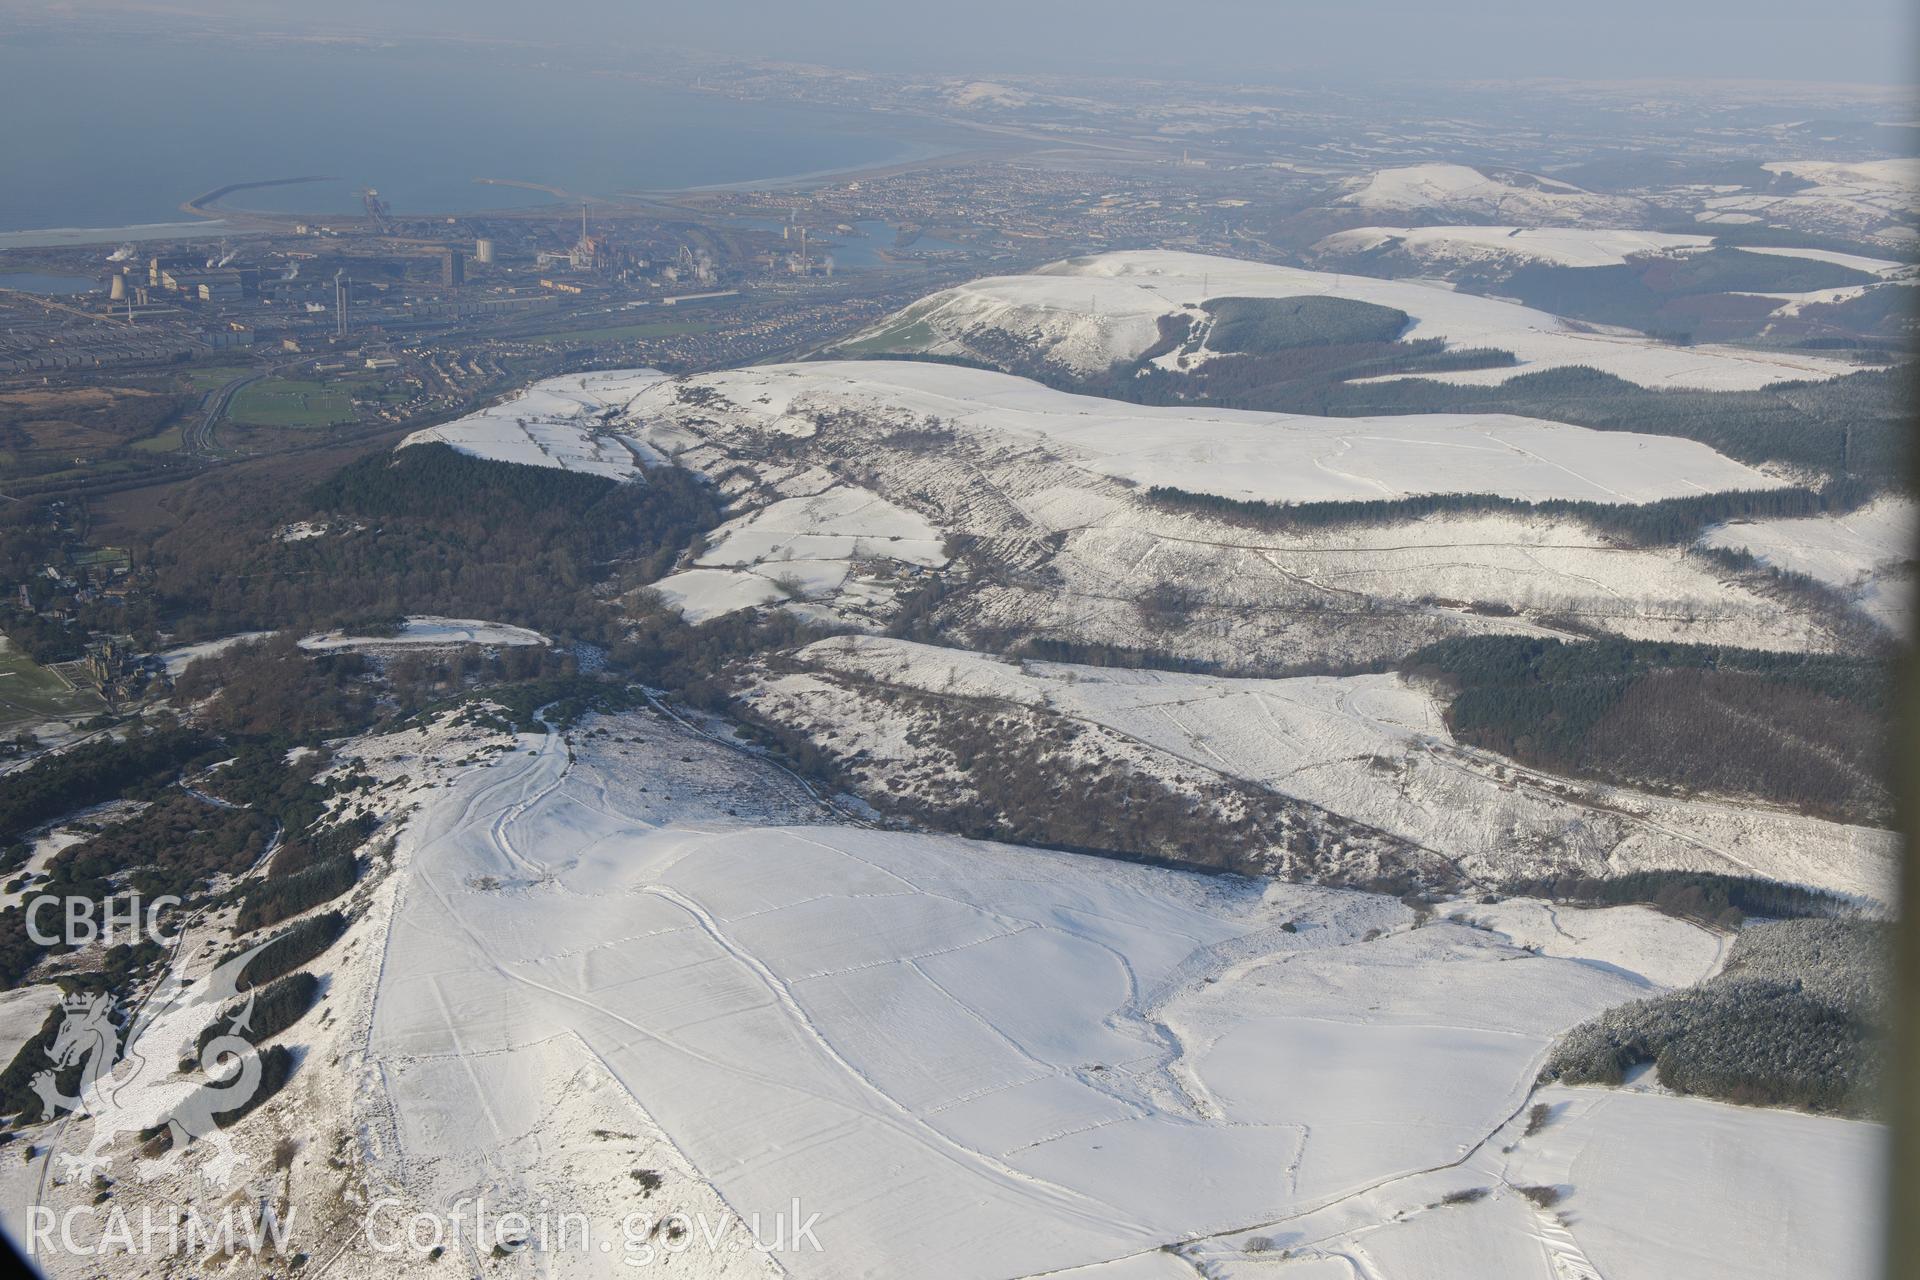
x=1871, y=41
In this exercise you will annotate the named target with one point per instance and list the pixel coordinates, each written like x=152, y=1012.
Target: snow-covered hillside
x=1640, y=1180
x=850, y=484
x=1874, y=200
x=1240, y=454
x=632, y=970
x=553, y=423
x=1458, y=190
x=802, y=547
x=640, y=950
x=1866, y=553
x=1510, y=245
x=1372, y=749
x=1086, y=314
x=1514, y=246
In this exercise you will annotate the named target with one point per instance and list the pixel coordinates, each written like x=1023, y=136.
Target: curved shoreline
x=204, y=204
x=234, y=219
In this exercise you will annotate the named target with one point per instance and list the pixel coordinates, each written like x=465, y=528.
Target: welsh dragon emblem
x=137, y=1089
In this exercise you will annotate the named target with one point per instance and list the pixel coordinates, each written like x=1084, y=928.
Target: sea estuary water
x=120, y=137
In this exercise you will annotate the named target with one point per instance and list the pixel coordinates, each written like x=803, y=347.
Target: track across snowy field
x=1011, y=1061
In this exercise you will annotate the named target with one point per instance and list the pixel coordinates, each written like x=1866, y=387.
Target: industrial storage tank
x=483, y=251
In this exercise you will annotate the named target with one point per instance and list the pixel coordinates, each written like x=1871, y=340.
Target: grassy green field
x=910, y=333
x=204, y=380
x=167, y=441
x=30, y=692
x=286, y=402
x=624, y=332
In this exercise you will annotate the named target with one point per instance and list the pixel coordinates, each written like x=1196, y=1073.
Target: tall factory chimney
x=341, y=292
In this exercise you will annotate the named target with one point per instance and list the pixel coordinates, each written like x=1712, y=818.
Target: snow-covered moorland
x=631, y=970
x=1457, y=190
x=1046, y=490
x=1280, y=457
x=1514, y=246
x=1086, y=314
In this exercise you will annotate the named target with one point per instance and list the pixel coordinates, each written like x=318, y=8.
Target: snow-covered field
x=554, y=423
x=1657, y=1186
x=612, y=954
x=22, y=1011
x=1663, y=949
x=428, y=632
x=1458, y=189
x=1885, y=267
x=174, y=661
x=1373, y=749
x=798, y=548
x=1087, y=313
x=1865, y=553
x=1792, y=304
x=1650, y=1187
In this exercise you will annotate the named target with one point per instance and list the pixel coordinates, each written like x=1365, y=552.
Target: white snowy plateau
x=1555, y=246
x=1235, y=453
x=1458, y=189
x=1276, y=457
x=1871, y=200
x=1087, y=314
